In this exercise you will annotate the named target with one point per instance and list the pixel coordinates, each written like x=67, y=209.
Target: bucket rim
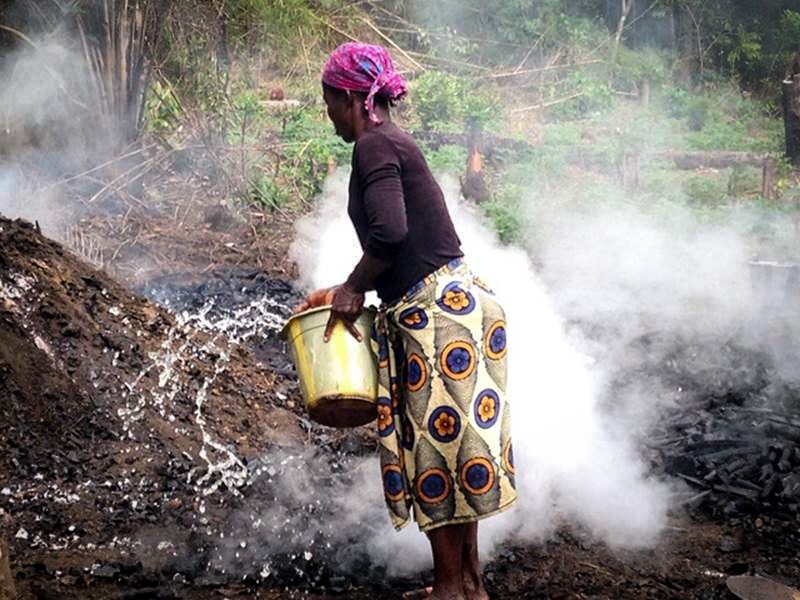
x=317, y=309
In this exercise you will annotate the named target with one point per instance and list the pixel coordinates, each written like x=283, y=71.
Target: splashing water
x=221, y=467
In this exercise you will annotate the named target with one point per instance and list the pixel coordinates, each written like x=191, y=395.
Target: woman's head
x=358, y=78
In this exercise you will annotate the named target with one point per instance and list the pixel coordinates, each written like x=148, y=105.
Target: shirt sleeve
x=379, y=170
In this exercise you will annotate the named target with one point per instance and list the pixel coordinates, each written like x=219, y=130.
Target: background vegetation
x=562, y=92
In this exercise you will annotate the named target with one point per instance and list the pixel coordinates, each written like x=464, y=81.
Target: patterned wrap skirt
x=444, y=423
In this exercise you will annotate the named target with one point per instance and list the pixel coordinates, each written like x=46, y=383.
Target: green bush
x=266, y=193
x=505, y=211
x=636, y=66
x=597, y=95
x=310, y=142
x=705, y=190
x=447, y=159
x=448, y=103
x=162, y=109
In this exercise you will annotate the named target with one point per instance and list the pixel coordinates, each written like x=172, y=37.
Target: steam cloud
x=573, y=463
x=42, y=110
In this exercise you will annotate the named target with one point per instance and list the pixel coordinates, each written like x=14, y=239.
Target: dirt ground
x=124, y=423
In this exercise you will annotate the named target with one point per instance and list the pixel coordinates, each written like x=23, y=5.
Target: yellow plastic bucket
x=339, y=379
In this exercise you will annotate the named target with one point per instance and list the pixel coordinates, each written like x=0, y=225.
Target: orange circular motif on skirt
x=458, y=360
x=508, y=458
x=440, y=483
x=417, y=373
x=475, y=464
x=397, y=471
x=494, y=345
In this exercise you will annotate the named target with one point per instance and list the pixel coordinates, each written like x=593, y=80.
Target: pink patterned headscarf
x=364, y=68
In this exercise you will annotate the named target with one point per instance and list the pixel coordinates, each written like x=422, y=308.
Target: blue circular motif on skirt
x=433, y=486
x=413, y=318
x=457, y=360
x=495, y=341
x=487, y=408
x=498, y=340
x=478, y=475
x=393, y=482
x=444, y=424
x=416, y=373
x=455, y=300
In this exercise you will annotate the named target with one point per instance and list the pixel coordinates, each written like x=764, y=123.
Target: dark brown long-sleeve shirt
x=398, y=210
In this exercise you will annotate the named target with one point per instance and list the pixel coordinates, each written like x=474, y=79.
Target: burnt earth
x=131, y=431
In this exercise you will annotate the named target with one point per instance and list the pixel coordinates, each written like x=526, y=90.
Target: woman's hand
x=317, y=298
x=346, y=307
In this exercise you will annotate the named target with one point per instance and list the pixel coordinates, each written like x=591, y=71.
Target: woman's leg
x=473, y=581
x=447, y=545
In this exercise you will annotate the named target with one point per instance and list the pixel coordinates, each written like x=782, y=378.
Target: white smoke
x=43, y=130
x=572, y=464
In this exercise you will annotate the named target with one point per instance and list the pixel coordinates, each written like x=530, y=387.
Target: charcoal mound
x=121, y=420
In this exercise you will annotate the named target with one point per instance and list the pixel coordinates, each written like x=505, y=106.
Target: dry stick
x=449, y=61
x=546, y=104
x=93, y=169
x=20, y=35
x=532, y=48
x=419, y=30
x=116, y=180
x=372, y=26
x=334, y=28
x=542, y=69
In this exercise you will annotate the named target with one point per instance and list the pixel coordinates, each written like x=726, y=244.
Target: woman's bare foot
x=473, y=589
x=447, y=595
x=421, y=594
x=471, y=569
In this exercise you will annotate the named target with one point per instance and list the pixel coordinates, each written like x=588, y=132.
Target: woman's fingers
x=302, y=307
x=349, y=325
x=321, y=297
x=329, y=327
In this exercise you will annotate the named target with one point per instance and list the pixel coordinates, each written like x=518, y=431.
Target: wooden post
x=630, y=169
x=7, y=590
x=768, y=180
x=791, y=117
x=645, y=90
x=473, y=186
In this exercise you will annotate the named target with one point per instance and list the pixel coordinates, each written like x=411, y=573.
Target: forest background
x=130, y=107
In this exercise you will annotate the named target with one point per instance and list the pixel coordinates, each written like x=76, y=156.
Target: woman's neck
x=366, y=124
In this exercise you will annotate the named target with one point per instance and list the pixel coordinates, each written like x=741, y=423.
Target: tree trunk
x=118, y=37
x=791, y=117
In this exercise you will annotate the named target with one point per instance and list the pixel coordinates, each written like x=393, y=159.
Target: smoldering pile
x=732, y=434
x=233, y=297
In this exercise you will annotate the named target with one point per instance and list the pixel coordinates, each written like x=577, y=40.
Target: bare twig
x=547, y=104
x=542, y=69
x=392, y=43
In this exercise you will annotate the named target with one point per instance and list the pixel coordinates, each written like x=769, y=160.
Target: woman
x=443, y=423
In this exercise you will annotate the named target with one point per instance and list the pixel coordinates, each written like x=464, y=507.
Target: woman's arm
x=378, y=169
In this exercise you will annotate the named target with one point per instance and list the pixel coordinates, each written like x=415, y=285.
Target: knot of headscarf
x=364, y=68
